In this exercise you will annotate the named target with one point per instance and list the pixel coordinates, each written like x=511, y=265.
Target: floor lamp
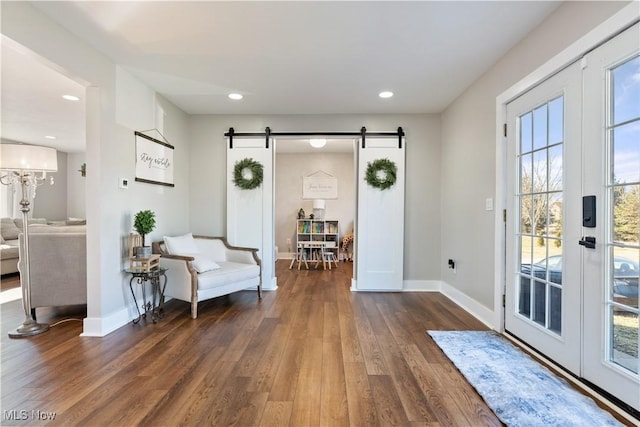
x=26, y=165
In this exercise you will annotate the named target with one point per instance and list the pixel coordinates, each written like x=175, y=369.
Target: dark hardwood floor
x=311, y=353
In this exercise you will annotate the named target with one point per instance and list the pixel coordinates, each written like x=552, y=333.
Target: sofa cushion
x=181, y=245
x=31, y=221
x=76, y=221
x=229, y=272
x=8, y=251
x=203, y=263
x=8, y=229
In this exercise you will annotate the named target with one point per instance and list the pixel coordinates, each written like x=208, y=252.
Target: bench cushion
x=229, y=272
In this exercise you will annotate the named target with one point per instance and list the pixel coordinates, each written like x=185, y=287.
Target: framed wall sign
x=154, y=161
x=319, y=185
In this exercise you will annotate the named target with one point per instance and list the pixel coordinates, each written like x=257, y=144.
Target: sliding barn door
x=380, y=220
x=250, y=212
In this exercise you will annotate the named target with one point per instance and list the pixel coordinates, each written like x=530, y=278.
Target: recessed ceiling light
x=385, y=94
x=71, y=97
x=317, y=143
x=235, y=96
x=50, y=137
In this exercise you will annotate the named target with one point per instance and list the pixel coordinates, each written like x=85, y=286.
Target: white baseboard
x=101, y=326
x=421, y=285
x=272, y=286
x=470, y=305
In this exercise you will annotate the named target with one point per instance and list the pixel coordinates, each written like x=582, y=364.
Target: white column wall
x=109, y=156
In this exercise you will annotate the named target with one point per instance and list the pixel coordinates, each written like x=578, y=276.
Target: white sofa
x=192, y=275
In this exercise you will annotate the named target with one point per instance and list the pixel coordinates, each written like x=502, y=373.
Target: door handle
x=588, y=242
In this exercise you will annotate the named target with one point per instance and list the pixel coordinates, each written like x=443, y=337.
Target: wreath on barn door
x=381, y=173
x=247, y=174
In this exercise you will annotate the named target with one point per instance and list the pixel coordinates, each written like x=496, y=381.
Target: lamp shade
x=318, y=204
x=17, y=157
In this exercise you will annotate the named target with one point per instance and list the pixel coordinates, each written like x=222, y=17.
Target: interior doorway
x=314, y=160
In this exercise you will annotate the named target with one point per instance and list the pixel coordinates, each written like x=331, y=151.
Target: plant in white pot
x=144, y=223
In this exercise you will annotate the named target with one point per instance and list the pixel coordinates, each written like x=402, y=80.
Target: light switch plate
x=488, y=204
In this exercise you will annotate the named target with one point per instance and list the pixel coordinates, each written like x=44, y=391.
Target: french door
x=612, y=163
x=572, y=229
x=543, y=288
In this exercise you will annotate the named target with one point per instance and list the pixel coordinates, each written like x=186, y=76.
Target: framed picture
x=154, y=161
x=319, y=185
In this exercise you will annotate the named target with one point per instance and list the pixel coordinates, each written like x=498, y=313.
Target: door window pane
x=626, y=91
x=555, y=217
x=526, y=205
x=526, y=179
x=624, y=338
x=526, y=132
x=555, y=168
x=625, y=270
x=540, y=171
x=540, y=127
x=626, y=213
x=555, y=309
x=626, y=153
x=524, y=297
x=556, y=120
x=540, y=215
x=539, y=303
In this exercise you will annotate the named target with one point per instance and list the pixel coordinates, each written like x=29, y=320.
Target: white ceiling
x=301, y=57
x=32, y=103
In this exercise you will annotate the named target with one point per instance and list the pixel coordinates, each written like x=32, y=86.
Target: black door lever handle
x=588, y=242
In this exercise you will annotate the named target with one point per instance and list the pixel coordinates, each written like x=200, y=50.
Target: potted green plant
x=144, y=223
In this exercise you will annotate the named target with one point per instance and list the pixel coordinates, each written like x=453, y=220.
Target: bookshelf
x=319, y=230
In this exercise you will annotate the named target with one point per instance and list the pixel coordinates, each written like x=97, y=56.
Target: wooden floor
x=311, y=353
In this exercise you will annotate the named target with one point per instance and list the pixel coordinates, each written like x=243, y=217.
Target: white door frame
x=618, y=22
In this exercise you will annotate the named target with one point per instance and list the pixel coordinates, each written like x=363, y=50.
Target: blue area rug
x=518, y=389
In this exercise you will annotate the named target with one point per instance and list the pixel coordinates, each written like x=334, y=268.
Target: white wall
x=468, y=148
x=290, y=169
x=109, y=155
x=51, y=200
x=422, y=204
x=76, y=186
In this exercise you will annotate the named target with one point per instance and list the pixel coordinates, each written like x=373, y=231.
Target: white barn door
x=379, y=237
x=250, y=212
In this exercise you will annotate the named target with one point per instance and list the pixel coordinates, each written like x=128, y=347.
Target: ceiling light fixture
x=385, y=94
x=318, y=143
x=50, y=137
x=71, y=97
x=235, y=96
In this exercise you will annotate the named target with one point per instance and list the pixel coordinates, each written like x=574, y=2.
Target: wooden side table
x=153, y=276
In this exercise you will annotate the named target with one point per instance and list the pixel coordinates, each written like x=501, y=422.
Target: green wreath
x=254, y=170
x=381, y=173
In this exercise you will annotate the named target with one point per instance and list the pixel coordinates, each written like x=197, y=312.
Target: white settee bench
x=203, y=267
